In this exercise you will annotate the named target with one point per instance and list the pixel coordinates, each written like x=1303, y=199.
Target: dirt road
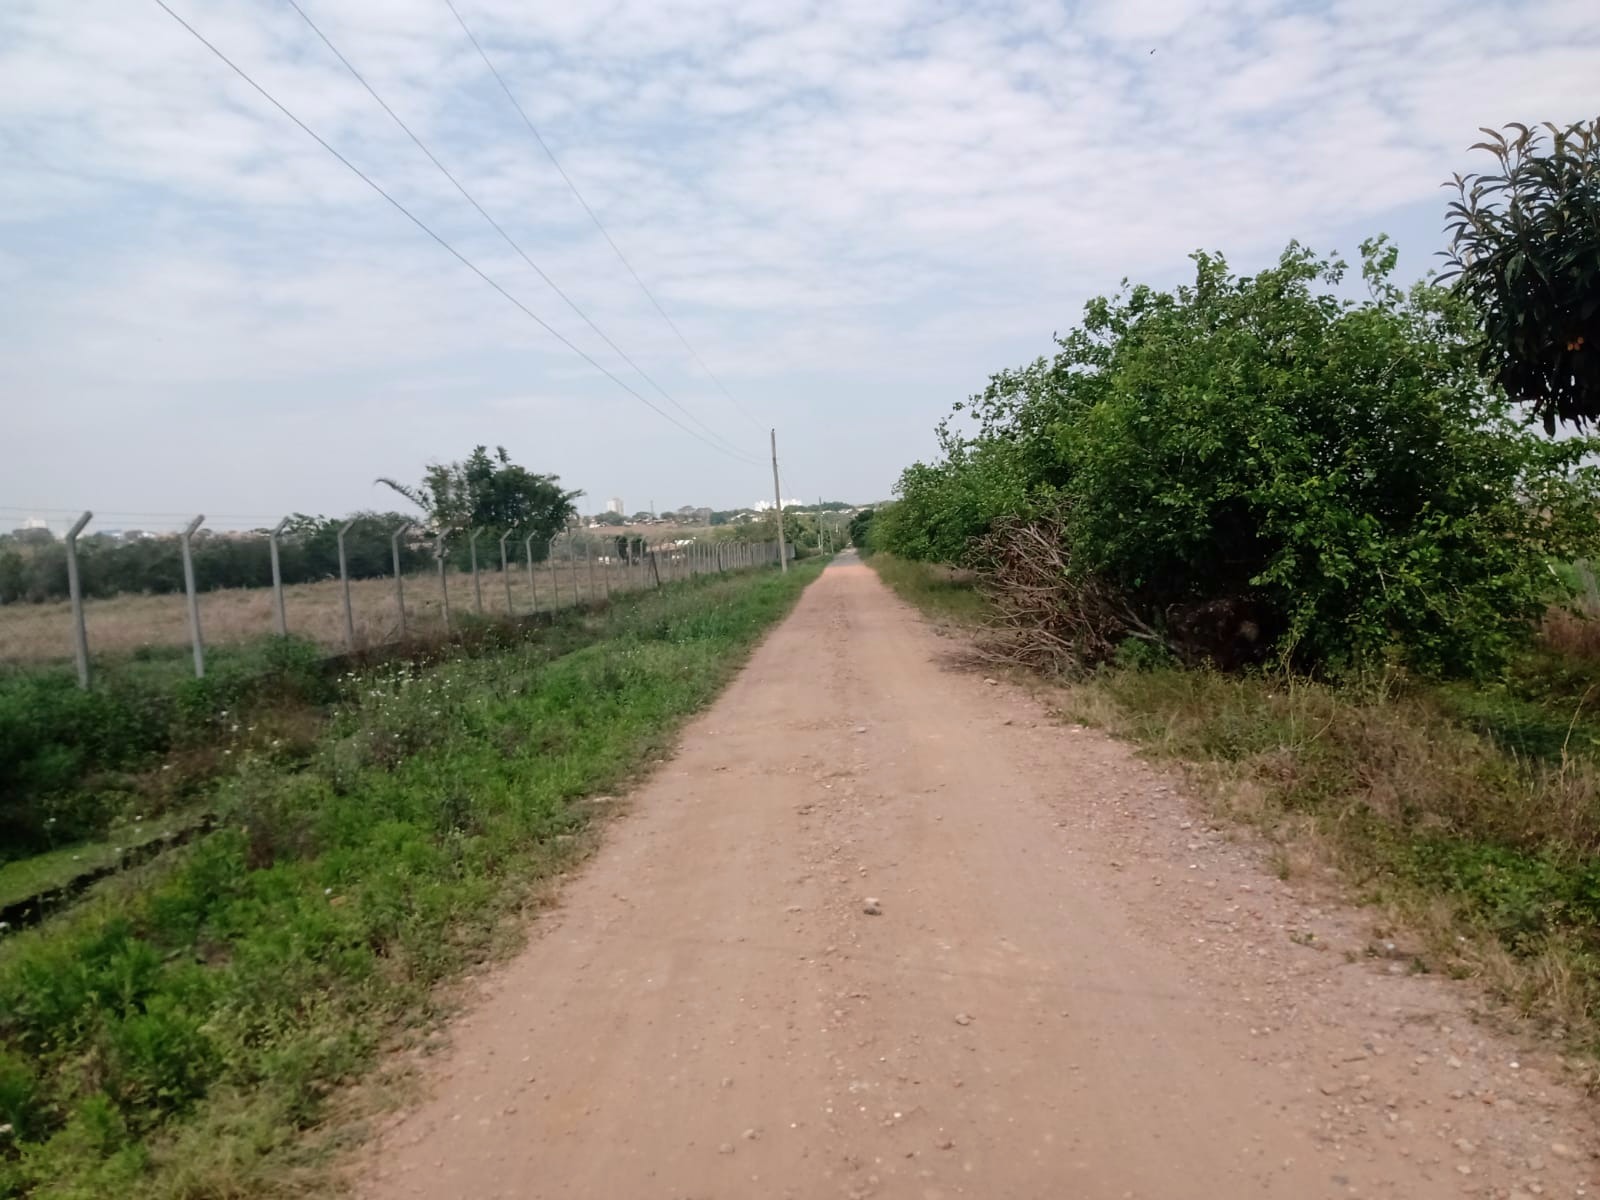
x=1073, y=988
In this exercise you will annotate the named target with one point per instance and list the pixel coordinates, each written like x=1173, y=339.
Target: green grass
x=29, y=877
x=944, y=592
x=181, y=1032
x=71, y=760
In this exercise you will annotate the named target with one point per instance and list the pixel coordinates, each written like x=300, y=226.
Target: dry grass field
x=32, y=633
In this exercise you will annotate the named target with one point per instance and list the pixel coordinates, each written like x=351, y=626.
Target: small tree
x=1526, y=250
x=861, y=529
x=493, y=492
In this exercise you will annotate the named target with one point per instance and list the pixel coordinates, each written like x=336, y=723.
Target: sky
x=854, y=211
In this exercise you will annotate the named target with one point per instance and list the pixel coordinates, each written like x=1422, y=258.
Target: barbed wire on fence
x=575, y=567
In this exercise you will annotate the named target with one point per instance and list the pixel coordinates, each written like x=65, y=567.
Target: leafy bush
x=1256, y=454
x=861, y=530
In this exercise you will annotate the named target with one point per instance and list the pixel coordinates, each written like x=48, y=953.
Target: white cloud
x=855, y=210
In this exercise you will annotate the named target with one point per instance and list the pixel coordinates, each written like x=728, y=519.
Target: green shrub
x=861, y=530
x=1255, y=453
x=55, y=737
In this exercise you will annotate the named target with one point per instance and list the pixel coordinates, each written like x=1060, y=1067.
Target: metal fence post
x=572, y=568
x=505, y=573
x=555, y=580
x=588, y=558
x=399, y=585
x=277, y=578
x=477, y=584
x=80, y=631
x=344, y=584
x=194, y=601
x=533, y=588
x=444, y=582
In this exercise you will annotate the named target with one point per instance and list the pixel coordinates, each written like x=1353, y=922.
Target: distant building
x=614, y=505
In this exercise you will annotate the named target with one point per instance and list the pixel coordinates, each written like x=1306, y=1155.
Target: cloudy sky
x=854, y=211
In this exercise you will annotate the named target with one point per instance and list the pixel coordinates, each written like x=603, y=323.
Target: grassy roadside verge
x=177, y=1033
x=1470, y=817
x=939, y=591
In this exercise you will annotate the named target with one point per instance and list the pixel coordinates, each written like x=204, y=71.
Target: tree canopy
x=491, y=491
x=1526, y=251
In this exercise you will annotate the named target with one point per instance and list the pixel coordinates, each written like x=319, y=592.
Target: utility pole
x=777, y=498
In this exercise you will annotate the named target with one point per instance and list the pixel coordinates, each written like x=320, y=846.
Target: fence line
x=626, y=564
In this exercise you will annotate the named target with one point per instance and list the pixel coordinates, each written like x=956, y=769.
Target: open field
x=121, y=625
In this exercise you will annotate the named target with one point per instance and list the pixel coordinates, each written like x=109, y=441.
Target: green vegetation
x=72, y=762
x=178, y=1031
x=1475, y=815
x=33, y=564
x=946, y=592
x=490, y=492
x=808, y=531
x=484, y=490
x=1251, y=468
x=1471, y=810
x=26, y=878
x=860, y=530
x=1526, y=250
x=1310, y=546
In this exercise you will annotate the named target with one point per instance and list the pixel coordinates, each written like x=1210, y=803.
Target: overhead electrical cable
x=593, y=216
x=445, y=245
x=498, y=228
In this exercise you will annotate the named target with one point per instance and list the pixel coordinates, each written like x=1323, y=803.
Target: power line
x=498, y=228
x=420, y=224
x=621, y=257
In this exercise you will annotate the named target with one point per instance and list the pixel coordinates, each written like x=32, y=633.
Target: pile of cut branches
x=1045, y=615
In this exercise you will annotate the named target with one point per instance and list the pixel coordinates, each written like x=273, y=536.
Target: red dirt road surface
x=1074, y=988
